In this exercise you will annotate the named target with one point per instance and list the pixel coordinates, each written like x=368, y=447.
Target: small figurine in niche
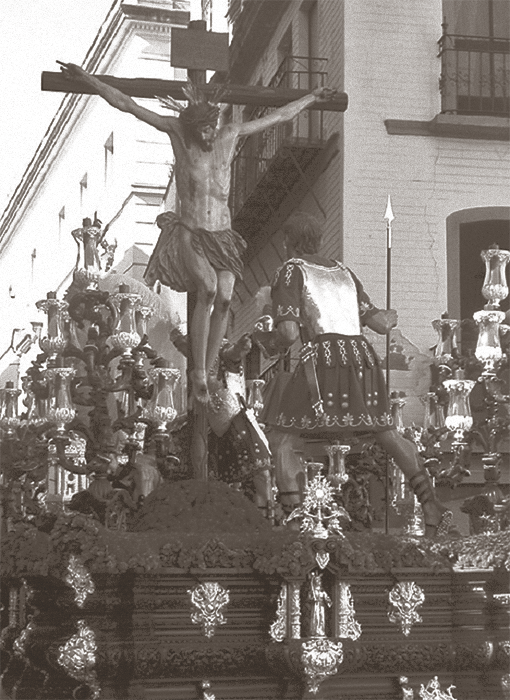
x=320, y=599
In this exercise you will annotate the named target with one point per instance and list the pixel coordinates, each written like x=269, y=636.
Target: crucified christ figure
x=197, y=250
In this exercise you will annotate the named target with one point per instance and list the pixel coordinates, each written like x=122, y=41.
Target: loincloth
x=169, y=264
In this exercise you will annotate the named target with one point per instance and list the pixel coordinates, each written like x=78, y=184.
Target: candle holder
x=397, y=403
x=459, y=419
x=60, y=409
x=160, y=407
x=255, y=398
x=446, y=349
x=55, y=342
x=488, y=348
x=9, y=419
x=143, y=314
x=434, y=413
x=125, y=336
x=495, y=287
x=337, y=474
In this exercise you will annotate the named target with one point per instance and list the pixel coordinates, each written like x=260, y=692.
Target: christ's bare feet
x=199, y=385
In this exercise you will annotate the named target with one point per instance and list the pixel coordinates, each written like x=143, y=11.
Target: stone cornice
x=116, y=26
x=156, y=14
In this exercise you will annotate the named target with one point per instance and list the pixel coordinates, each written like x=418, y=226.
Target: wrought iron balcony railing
x=256, y=153
x=475, y=75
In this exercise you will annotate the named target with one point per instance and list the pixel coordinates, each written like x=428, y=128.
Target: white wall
x=40, y=252
x=428, y=177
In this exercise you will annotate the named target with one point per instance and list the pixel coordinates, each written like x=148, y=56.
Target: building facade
x=427, y=123
x=93, y=159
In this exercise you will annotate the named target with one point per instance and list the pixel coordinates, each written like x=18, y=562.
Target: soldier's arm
x=287, y=112
x=382, y=321
x=119, y=100
x=278, y=340
x=287, y=332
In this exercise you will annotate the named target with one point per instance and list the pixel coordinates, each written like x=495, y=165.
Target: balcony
x=279, y=165
x=475, y=75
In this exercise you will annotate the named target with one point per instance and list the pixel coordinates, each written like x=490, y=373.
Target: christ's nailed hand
x=325, y=94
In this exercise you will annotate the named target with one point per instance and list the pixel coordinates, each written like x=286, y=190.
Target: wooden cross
x=197, y=50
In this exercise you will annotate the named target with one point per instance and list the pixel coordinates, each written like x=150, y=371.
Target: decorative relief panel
x=78, y=658
x=208, y=599
x=80, y=580
x=405, y=597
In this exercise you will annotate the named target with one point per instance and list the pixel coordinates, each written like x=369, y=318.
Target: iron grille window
x=475, y=58
x=256, y=153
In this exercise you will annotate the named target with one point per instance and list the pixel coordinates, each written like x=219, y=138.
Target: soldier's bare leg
x=289, y=473
x=405, y=455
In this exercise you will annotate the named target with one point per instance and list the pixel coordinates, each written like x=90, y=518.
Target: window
x=83, y=189
x=475, y=53
x=468, y=233
x=33, y=256
x=207, y=12
x=108, y=156
x=477, y=18
x=61, y=219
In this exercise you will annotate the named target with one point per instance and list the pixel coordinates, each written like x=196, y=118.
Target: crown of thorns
x=200, y=110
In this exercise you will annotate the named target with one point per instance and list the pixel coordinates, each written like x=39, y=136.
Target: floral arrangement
x=198, y=525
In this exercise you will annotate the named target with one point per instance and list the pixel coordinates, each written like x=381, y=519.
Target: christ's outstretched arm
x=287, y=112
x=118, y=99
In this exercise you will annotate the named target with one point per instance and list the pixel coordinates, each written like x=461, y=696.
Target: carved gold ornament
x=405, y=597
x=205, y=687
x=348, y=627
x=80, y=580
x=78, y=658
x=278, y=629
x=295, y=609
x=407, y=691
x=432, y=691
x=322, y=558
x=20, y=641
x=320, y=658
x=320, y=514
x=208, y=599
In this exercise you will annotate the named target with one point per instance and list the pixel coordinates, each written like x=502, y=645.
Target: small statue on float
x=320, y=599
x=337, y=388
x=237, y=442
x=90, y=262
x=198, y=251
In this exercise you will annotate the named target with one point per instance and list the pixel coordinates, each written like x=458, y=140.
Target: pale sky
x=35, y=34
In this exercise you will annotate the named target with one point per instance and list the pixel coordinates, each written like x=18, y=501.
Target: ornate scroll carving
x=78, y=658
x=208, y=599
x=205, y=687
x=407, y=691
x=19, y=643
x=278, y=629
x=295, y=610
x=348, y=627
x=405, y=597
x=80, y=580
x=432, y=691
x=320, y=658
x=322, y=558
